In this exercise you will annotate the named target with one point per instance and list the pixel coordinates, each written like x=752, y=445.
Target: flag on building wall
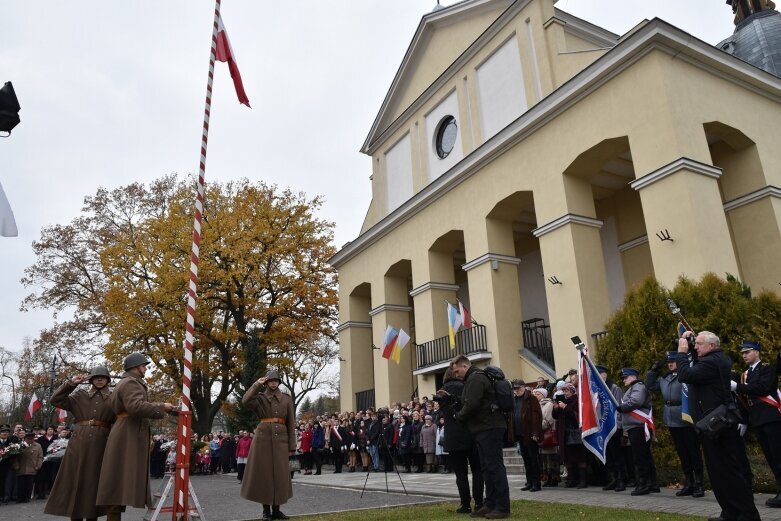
x=401, y=342
x=388, y=341
x=7, y=221
x=35, y=404
x=597, y=407
x=466, y=318
x=453, y=323
x=225, y=54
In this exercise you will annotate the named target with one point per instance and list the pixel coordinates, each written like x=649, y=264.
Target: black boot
x=611, y=484
x=582, y=482
x=536, y=486
x=641, y=489
x=688, y=485
x=698, y=490
x=527, y=486
x=266, y=513
x=276, y=513
x=620, y=485
x=652, y=483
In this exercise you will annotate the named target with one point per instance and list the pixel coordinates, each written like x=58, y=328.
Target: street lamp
x=52, y=377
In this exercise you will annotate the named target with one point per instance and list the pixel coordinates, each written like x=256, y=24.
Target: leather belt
x=95, y=423
x=122, y=414
x=672, y=403
x=280, y=421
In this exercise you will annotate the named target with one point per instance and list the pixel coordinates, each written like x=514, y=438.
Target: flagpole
x=180, y=508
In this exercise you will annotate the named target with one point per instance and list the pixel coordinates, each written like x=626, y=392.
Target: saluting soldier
x=759, y=385
x=75, y=488
x=124, y=474
x=267, y=478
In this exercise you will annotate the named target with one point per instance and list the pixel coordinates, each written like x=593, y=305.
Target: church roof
x=757, y=40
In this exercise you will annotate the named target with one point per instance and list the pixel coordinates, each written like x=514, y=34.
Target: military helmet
x=134, y=360
x=273, y=374
x=99, y=370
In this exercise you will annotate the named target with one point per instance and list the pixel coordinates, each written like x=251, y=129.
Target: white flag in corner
x=7, y=221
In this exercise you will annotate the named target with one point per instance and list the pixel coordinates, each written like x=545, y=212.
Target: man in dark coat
x=526, y=431
x=124, y=473
x=460, y=445
x=227, y=451
x=43, y=480
x=488, y=426
x=267, y=476
x=74, y=491
x=7, y=474
x=709, y=381
x=758, y=384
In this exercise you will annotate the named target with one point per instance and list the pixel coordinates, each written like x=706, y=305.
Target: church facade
x=535, y=167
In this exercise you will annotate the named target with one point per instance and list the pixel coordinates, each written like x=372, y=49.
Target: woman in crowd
x=549, y=446
x=428, y=442
x=417, y=448
x=318, y=444
x=571, y=449
x=362, y=443
x=242, y=453
x=405, y=443
x=441, y=455
x=306, y=449
x=349, y=444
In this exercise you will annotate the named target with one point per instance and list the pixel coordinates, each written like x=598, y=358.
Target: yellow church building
x=534, y=167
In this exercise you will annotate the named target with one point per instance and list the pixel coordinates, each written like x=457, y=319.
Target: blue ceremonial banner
x=597, y=408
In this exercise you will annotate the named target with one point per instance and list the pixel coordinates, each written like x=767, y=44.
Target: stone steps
x=513, y=461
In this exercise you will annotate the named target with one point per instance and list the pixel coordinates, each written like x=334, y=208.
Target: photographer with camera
x=710, y=402
x=488, y=425
x=682, y=432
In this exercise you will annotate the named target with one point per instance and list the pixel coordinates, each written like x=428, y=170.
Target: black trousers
x=724, y=461
x=497, y=491
x=214, y=466
x=769, y=436
x=338, y=458
x=460, y=462
x=318, y=457
x=24, y=488
x=387, y=457
x=531, y=461
x=614, y=460
x=687, y=445
x=641, y=452
x=240, y=469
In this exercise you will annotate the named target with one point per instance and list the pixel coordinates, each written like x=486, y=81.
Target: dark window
x=445, y=140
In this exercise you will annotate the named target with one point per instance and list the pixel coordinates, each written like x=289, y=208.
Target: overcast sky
x=113, y=93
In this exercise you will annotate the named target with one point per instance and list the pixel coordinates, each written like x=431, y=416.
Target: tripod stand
x=383, y=446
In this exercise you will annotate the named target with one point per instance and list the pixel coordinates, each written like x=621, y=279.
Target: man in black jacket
x=709, y=384
x=488, y=425
x=759, y=386
x=373, y=441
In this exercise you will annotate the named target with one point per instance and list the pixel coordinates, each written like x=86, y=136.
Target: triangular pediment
x=441, y=37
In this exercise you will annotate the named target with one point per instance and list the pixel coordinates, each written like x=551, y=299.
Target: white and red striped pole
x=182, y=478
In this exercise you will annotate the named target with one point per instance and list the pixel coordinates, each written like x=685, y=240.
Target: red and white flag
x=35, y=404
x=466, y=318
x=225, y=54
x=62, y=415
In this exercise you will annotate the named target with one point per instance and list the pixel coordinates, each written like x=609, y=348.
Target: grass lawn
x=526, y=510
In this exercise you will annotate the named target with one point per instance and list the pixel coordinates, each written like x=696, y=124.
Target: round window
x=445, y=138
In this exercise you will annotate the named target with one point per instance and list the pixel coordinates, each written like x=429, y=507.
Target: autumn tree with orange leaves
x=119, y=274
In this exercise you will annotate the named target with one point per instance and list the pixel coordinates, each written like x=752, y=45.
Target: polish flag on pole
x=7, y=221
x=225, y=54
x=62, y=415
x=35, y=404
x=466, y=318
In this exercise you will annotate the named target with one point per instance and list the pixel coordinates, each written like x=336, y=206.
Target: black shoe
x=774, y=502
x=536, y=487
x=527, y=486
x=266, y=516
x=318, y=473
x=641, y=490
x=277, y=514
x=464, y=509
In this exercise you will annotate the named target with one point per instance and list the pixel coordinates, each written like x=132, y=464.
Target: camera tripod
x=383, y=446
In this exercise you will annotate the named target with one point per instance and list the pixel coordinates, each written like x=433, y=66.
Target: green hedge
x=642, y=330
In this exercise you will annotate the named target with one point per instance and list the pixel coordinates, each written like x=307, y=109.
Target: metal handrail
x=468, y=341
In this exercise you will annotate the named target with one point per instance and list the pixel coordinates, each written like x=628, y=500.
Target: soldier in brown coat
x=73, y=494
x=124, y=473
x=267, y=476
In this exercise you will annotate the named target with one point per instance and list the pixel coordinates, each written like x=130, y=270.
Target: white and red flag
x=225, y=54
x=35, y=404
x=466, y=318
x=62, y=415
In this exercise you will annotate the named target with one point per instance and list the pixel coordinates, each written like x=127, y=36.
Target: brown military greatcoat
x=74, y=491
x=267, y=476
x=124, y=474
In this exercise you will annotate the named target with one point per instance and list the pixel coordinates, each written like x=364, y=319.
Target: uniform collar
x=754, y=366
x=128, y=374
x=94, y=390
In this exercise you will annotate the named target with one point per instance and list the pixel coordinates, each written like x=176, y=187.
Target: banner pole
x=182, y=476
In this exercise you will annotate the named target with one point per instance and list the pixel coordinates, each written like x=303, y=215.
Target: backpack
x=503, y=390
